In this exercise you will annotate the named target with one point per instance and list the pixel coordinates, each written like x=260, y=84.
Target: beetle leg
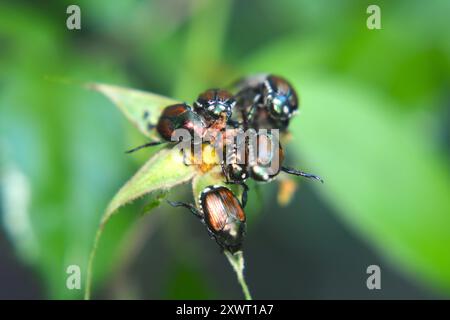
x=149, y=144
x=224, y=171
x=251, y=113
x=300, y=173
x=244, y=119
x=189, y=206
x=211, y=234
x=248, y=115
x=244, y=193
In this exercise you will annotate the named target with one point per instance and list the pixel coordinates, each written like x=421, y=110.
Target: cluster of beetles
x=261, y=102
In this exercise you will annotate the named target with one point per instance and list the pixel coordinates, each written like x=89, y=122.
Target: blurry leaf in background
x=50, y=134
x=15, y=202
x=384, y=179
x=204, y=48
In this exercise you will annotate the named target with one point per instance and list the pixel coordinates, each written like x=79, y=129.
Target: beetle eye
x=212, y=110
x=277, y=105
x=216, y=109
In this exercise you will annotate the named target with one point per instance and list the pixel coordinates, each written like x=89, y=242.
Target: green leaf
x=154, y=200
x=141, y=108
x=163, y=171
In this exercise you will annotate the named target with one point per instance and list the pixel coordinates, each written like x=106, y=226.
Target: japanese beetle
x=214, y=104
x=177, y=116
x=257, y=158
x=260, y=160
x=223, y=215
x=267, y=102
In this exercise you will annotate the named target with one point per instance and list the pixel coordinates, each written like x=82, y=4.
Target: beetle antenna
x=300, y=173
x=149, y=144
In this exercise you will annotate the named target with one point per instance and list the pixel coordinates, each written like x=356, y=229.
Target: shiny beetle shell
x=266, y=101
x=279, y=97
x=179, y=116
x=224, y=216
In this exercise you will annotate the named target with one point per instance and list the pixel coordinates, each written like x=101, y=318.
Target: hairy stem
x=87, y=292
x=237, y=262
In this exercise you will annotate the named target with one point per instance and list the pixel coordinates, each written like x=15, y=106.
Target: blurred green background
x=374, y=124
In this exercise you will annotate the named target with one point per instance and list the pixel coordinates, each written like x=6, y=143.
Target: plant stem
x=87, y=292
x=237, y=262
